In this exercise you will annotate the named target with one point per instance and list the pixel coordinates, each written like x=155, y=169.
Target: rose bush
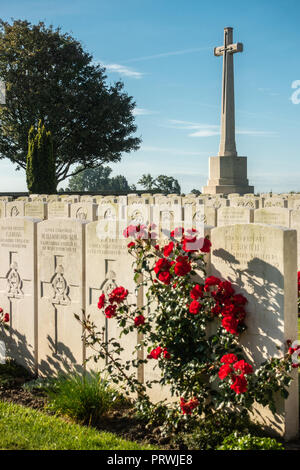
x=190, y=327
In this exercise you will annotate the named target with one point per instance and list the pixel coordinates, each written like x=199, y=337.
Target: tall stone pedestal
x=228, y=175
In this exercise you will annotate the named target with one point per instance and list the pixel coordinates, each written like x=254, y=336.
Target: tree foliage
x=98, y=179
x=40, y=165
x=50, y=77
x=163, y=183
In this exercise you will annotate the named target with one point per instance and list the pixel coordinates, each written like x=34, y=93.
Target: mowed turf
x=23, y=428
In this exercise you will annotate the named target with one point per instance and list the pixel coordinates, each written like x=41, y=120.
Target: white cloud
x=143, y=112
x=210, y=130
x=174, y=151
x=122, y=70
x=168, y=54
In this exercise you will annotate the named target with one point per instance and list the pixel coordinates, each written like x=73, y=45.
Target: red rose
x=177, y=232
x=230, y=324
x=166, y=354
x=190, y=245
x=168, y=249
x=156, y=247
x=226, y=288
x=239, y=299
x=139, y=320
x=182, y=266
x=110, y=311
x=229, y=310
x=118, y=295
x=211, y=281
x=6, y=318
x=196, y=292
x=131, y=245
x=194, y=307
x=206, y=245
x=216, y=309
x=188, y=406
x=224, y=371
x=239, y=385
x=162, y=265
x=155, y=353
x=130, y=231
x=101, y=301
x=229, y=359
x=243, y=367
x=165, y=277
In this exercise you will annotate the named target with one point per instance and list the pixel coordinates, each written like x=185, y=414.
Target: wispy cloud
x=122, y=70
x=168, y=54
x=143, y=112
x=268, y=91
x=210, y=130
x=173, y=151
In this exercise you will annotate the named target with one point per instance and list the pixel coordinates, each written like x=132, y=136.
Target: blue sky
x=163, y=52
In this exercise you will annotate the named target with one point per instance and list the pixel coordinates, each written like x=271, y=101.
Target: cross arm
x=231, y=48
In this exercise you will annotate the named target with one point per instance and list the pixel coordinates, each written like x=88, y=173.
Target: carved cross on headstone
x=106, y=286
x=227, y=143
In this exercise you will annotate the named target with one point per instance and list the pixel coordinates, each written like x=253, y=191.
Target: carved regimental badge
x=60, y=287
x=14, y=282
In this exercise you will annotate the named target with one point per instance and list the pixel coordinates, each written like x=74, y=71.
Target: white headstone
x=261, y=263
x=18, y=287
x=60, y=295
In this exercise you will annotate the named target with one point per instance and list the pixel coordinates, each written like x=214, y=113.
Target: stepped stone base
x=228, y=175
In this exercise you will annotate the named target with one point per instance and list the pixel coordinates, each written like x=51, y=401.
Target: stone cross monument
x=227, y=171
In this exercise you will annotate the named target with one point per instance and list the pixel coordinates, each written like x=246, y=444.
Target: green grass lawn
x=24, y=428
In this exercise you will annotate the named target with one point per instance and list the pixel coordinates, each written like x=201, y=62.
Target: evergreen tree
x=40, y=165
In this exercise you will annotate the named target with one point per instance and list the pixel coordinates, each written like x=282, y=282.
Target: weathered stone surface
x=246, y=201
x=84, y=211
x=234, y=215
x=273, y=216
x=108, y=265
x=260, y=261
x=275, y=201
x=295, y=224
x=36, y=209
x=58, y=209
x=15, y=209
x=18, y=288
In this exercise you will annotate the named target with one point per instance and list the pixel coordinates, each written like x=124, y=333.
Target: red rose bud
x=131, y=245
x=139, y=320
x=6, y=318
x=101, y=301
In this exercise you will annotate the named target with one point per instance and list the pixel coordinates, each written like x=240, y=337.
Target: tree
x=50, y=77
x=196, y=192
x=40, y=166
x=147, y=182
x=98, y=179
x=163, y=183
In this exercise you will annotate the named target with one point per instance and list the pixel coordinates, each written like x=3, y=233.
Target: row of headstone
x=53, y=269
